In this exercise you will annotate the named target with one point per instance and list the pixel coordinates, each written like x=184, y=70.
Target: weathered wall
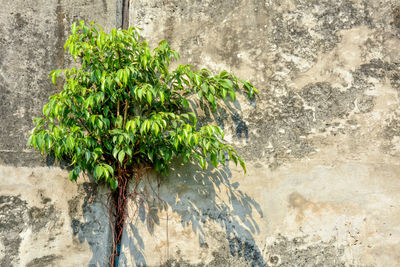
x=44, y=219
x=321, y=141
x=47, y=221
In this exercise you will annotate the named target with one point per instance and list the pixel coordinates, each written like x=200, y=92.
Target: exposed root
x=118, y=205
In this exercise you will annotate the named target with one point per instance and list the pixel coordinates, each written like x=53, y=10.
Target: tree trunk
x=118, y=211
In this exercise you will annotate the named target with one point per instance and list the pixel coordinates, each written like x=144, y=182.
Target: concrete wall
x=322, y=140
x=45, y=220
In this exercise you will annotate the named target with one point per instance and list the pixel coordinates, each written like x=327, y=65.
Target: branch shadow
x=222, y=113
x=198, y=197
x=136, y=247
x=91, y=223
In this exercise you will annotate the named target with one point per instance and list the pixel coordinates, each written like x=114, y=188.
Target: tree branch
x=126, y=109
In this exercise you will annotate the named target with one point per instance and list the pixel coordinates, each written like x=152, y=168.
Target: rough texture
x=32, y=41
x=44, y=219
x=48, y=221
x=321, y=140
x=202, y=217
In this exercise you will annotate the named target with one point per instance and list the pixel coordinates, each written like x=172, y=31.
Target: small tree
x=124, y=110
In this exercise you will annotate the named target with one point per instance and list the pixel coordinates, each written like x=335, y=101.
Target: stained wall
x=45, y=220
x=321, y=140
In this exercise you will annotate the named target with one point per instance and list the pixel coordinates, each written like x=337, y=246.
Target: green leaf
x=113, y=184
x=223, y=93
x=234, y=158
x=211, y=99
x=119, y=79
x=106, y=174
x=242, y=164
x=31, y=140
x=155, y=128
x=73, y=28
x=109, y=169
x=73, y=175
x=197, y=79
x=176, y=143
x=119, y=121
x=176, y=55
x=99, y=124
x=212, y=89
x=227, y=83
x=150, y=155
x=233, y=95
x=115, y=152
x=121, y=156
x=162, y=97
x=204, y=87
x=46, y=109
x=207, y=145
x=130, y=126
x=148, y=97
x=128, y=151
x=70, y=142
x=213, y=159
x=203, y=163
x=210, y=130
x=185, y=103
x=54, y=75
x=98, y=172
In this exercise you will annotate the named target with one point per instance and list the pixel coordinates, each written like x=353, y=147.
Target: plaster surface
x=45, y=220
x=321, y=140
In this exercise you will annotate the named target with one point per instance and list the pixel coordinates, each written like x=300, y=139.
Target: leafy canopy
x=125, y=108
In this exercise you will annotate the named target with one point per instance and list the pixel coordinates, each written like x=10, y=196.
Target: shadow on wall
x=223, y=113
x=95, y=227
x=199, y=197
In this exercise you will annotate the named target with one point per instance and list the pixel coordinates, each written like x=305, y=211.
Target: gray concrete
x=33, y=34
x=45, y=220
x=321, y=141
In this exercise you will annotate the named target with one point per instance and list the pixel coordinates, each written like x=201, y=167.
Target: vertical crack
x=123, y=23
x=125, y=14
x=122, y=20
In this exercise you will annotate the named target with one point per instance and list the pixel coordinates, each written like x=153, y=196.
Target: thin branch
x=126, y=109
x=120, y=66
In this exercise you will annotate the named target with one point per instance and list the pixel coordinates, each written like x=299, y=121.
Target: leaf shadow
x=199, y=197
x=90, y=221
x=229, y=108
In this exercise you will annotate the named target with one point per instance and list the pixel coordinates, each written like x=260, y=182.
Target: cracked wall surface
x=48, y=221
x=45, y=220
x=322, y=140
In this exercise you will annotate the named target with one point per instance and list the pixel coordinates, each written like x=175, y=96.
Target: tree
x=124, y=110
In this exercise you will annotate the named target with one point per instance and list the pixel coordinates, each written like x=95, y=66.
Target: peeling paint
x=322, y=140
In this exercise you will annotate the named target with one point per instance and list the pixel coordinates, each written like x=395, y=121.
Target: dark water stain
x=13, y=220
x=48, y=260
x=59, y=32
x=105, y=8
x=396, y=17
x=288, y=252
